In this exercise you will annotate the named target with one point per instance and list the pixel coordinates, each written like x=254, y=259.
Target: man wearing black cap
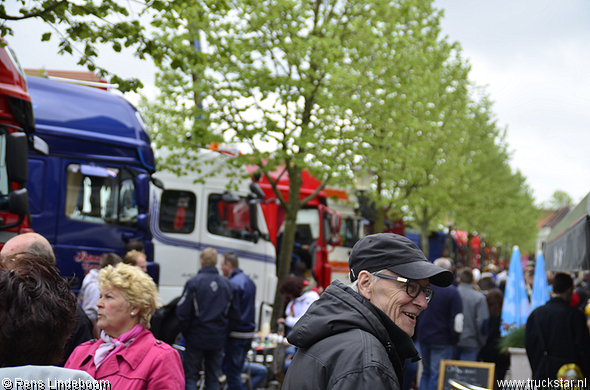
x=359, y=336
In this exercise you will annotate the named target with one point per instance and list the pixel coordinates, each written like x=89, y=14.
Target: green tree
x=496, y=202
x=474, y=183
x=87, y=24
x=411, y=99
x=440, y=195
x=558, y=200
x=273, y=76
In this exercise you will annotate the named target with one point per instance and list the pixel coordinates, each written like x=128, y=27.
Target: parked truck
x=317, y=224
x=90, y=194
x=197, y=210
x=351, y=230
x=17, y=126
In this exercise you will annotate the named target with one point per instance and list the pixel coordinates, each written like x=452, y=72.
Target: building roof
x=66, y=74
x=550, y=218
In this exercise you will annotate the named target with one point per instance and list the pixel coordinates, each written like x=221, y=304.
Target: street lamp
x=362, y=182
x=363, y=178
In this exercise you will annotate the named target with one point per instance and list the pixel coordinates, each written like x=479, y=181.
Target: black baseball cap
x=397, y=254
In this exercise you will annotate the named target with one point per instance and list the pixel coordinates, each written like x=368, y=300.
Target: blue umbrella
x=516, y=307
x=540, y=285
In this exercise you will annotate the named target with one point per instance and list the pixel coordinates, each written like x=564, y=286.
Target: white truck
x=351, y=230
x=189, y=215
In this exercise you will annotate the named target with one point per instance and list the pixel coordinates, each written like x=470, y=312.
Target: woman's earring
x=132, y=313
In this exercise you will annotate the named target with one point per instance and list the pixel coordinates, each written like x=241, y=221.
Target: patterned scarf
x=111, y=346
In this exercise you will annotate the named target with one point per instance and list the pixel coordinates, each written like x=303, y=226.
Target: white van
x=198, y=210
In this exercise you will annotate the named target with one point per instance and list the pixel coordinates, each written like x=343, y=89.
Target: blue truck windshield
x=104, y=196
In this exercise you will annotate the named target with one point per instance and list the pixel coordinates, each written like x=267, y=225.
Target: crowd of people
x=398, y=309
x=465, y=323
x=102, y=337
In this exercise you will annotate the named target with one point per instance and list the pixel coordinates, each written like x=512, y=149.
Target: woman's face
x=114, y=314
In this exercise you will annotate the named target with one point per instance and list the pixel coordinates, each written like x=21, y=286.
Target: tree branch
x=41, y=13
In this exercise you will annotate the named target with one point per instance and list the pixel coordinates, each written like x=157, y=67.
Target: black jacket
x=207, y=310
x=346, y=343
x=82, y=332
x=559, y=330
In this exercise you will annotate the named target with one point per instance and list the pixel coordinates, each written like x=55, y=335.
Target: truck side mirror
x=158, y=183
x=17, y=158
x=256, y=190
x=335, y=223
x=253, y=204
x=18, y=202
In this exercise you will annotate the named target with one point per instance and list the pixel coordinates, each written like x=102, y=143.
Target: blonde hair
x=209, y=256
x=137, y=287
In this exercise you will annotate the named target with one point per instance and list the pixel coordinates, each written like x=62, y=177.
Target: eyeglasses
x=412, y=288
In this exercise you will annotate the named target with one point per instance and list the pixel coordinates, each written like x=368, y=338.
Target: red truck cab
x=317, y=224
x=17, y=125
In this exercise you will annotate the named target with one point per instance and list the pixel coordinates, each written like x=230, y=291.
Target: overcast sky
x=533, y=57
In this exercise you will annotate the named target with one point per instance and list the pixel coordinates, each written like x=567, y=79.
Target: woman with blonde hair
x=127, y=354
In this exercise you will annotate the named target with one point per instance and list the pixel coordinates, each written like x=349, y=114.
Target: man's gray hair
x=355, y=285
x=444, y=262
x=44, y=252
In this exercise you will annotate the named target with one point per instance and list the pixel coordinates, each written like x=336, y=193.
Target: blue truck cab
x=90, y=194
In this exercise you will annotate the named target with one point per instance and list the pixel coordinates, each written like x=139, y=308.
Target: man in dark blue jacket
x=206, y=313
x=239, y=340
x=439, y=328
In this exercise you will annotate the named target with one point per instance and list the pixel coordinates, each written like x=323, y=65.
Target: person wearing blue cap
x=359, y=336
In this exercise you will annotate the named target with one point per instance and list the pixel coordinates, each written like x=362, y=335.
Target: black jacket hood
x=338, y=311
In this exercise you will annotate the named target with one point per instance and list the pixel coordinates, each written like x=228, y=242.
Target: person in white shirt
x=301, y=295
x=300, y=299
x=90, y=291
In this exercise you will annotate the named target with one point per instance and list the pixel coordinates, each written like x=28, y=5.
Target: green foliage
x=558, y=200
x=81, y=25
x=279, y=76
x=477, y=186
x=496, y=202
x=513, y=339
x=410, y=97
x=329, y=85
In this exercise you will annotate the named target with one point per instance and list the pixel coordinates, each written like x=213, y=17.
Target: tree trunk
x=286, y=255
x=379, y=224
x=424, y=235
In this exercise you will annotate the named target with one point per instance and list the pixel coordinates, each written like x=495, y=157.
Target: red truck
x=317, y=224
x=17, y=125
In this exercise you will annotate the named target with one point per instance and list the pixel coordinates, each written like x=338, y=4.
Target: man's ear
x=365, y=280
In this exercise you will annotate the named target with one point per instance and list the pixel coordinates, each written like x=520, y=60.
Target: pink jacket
x=145, y=364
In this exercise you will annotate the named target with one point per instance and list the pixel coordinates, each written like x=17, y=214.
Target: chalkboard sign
x=464, y=375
